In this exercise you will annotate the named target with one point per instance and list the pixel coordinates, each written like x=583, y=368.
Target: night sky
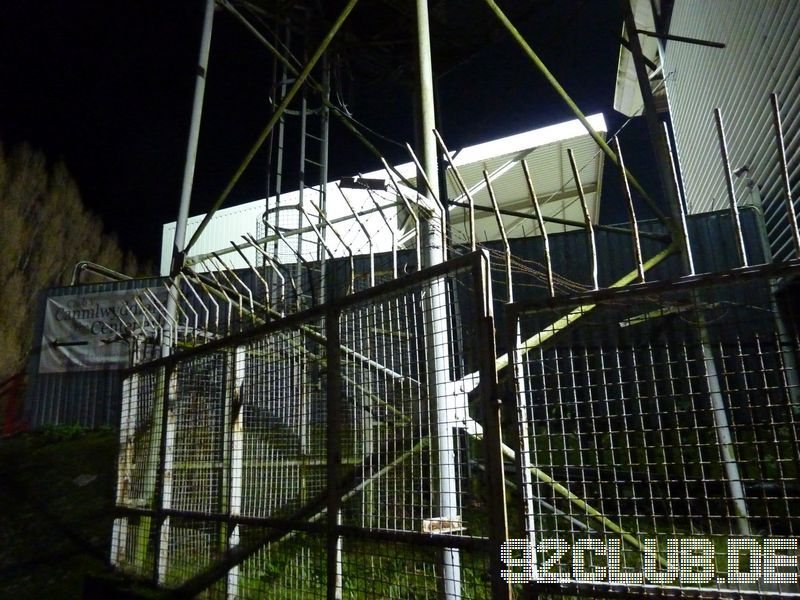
x=107, y=88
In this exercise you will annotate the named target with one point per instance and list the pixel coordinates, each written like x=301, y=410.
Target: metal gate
x=659, y=429
x=314, y=457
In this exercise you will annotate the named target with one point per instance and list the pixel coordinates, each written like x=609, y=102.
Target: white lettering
x=651, y=559
x=528, y=567
x=773, y=561
x=580, y=550
x=559, y=548
x=696, y=560
x=737, y=547
x=689, y=561
x=615, y=574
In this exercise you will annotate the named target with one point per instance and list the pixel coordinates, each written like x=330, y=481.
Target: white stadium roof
x=544, y=149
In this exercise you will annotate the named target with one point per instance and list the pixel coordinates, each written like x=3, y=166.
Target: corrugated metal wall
x=92, y=398
x=762, y=55
x=88, y=398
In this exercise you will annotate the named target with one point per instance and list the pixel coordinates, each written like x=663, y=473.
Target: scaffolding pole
x=681, y=240
x=526, y=48
x=298, y=83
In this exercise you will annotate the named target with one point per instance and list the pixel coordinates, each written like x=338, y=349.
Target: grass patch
x=56, y=502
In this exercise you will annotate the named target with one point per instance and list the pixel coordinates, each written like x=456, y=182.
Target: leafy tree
x=45, y=230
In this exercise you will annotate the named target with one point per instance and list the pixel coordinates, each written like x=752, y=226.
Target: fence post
x=233, y=452
x=523, y=455
x=334, y=453
x=127, y=430
x=493, y=437
x=162, y=475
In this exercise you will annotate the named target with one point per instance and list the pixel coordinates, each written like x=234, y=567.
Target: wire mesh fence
x=329, y=450
x=351, y=450
x=660, y=436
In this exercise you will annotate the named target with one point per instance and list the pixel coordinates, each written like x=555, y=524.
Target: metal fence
x=332, y=453
x=354, y=449
x=92, y=398
x=659, y=430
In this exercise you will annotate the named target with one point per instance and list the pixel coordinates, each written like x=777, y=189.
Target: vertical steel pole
x=334, y=453
x=787, y=188
x=587, y=219
x=626, y=192
x=178, y=245
x=301, y=190
x=722, y=429
x=281, y=125
x=680, y=213
x=178, y=257
x=194, y=136
x=232, y=457
x=162, y=457
x=493, y=431
x=436, y=313
x=125, y=465
x=325, y=119
x=535, y=201
x=234, y=465
x=523, y=457
x=734, y=208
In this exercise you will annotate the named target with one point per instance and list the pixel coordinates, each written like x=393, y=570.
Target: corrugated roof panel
x=549, y=167
x=552, y=179
x=228, y=224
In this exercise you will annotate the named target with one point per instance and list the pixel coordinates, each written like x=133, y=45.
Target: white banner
x=83, y=333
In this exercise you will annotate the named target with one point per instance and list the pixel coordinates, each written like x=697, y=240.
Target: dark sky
x=107, y=87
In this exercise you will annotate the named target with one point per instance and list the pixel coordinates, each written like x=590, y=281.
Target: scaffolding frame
x=238, y=306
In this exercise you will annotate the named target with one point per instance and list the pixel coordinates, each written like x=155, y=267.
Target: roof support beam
x=680, y=38
x=655, y=130
x=517, y=36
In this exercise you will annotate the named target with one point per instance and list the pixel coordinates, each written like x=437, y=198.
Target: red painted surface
x=11, y=395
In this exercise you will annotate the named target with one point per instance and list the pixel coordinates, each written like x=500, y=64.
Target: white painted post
x=166, y=492
x=236, y=462
x=127, y=428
